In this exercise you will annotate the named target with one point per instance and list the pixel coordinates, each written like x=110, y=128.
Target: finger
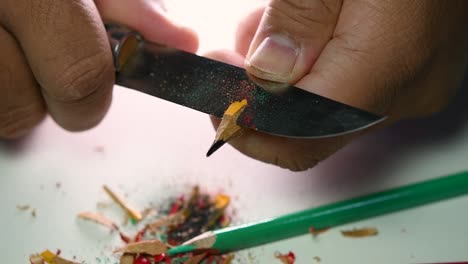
x=246, y=30
x=149, y=18
x=356, y=67
x=290, y=38
x=293, y=154
x=21, y=105
x=67, y=49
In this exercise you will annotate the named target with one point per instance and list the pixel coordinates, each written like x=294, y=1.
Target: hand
x=55, y=57
x=403, y=59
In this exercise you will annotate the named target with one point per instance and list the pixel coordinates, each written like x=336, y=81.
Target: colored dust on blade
x=185, y=217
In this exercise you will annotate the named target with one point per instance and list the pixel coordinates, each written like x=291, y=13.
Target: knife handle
x=124, y=43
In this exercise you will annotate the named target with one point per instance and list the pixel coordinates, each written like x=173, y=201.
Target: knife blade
x=210, y=86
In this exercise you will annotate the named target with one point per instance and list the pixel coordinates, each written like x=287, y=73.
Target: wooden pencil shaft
x=246, y=236
x=228, y=129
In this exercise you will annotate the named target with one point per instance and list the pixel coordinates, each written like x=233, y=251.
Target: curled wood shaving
x=147, y=212
x=52, y=258
x=150, y=247
x=36, y=259
x=361, y=232
x=222, y=201
x=127, y=259
x=99, y=219
x=196, y=259
x=135, y=214
x=170, y=220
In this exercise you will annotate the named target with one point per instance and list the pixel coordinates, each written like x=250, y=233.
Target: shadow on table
x=362, y=163
x=16, y=146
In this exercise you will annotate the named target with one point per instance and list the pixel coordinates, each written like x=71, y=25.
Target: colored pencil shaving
x=288, y=258
x=49, y=257
x=184, y=218
x=202, y=213
x=135, y=214
x=316, y=232
x=98, y=218
x=149, y=247
x=361, y=232
x=228, y=128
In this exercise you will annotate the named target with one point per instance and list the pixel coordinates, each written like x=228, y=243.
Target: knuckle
x=17, y=121
x=82, y=78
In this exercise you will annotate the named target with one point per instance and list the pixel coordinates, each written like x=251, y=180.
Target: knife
x=210, y=86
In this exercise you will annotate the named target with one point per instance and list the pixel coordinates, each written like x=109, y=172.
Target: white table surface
x=141, y=149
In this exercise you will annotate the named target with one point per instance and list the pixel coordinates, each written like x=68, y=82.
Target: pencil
x=270, y=230
x=228, y=128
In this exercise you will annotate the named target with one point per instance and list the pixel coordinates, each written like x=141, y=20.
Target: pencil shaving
x=127, y=259
x=170, y=220
x=23, y=207
x=229, y=259
x=289, y=258
x=236, y=108
x=99, y=219
x=150, y=247
x=36, y=259
x=316, y=232
x=361, y=232
x=51, y=258
x=222, y=201
x=135, y=214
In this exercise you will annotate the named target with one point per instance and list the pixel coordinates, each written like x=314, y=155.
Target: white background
x=141, y=149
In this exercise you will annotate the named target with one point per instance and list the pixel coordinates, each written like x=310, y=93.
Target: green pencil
x=270, y=230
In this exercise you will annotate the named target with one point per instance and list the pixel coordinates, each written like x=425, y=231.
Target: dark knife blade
x=211, y=86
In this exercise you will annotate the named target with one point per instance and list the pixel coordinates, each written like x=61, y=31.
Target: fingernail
x=274, y=58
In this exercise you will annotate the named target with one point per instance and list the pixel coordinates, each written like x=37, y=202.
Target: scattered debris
x=99, y=149
x=316, y=232
x=289, y=258
x=98, y=218
x=23, y=207
x=201, y=214
x=183, y=219
x=317, y=259
x=135, y=214
x=361, y=232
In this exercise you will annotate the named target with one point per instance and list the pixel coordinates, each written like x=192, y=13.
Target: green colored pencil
x=270, y=230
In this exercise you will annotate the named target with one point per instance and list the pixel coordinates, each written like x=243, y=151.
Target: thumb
x=290, y=37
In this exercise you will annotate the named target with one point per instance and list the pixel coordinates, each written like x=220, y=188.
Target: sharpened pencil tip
x=216, y=145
